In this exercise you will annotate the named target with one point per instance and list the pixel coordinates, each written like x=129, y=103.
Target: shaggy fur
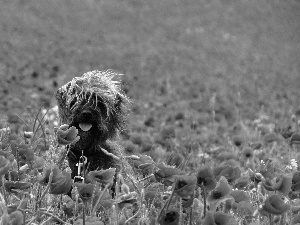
x=93, y=100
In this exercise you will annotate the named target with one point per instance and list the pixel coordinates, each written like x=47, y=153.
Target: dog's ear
x=61, y=98
x=119, y=102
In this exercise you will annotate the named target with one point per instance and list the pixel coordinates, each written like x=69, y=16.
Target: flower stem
x=166, y=206
x=204, y=200
x=99, y=199
x=270, y=219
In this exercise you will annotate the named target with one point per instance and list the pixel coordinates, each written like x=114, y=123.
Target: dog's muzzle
x=86, y=118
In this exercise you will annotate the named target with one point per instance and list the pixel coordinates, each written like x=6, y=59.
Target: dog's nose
x=86, y=114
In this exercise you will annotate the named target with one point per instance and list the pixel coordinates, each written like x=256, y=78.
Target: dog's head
x=94, y=104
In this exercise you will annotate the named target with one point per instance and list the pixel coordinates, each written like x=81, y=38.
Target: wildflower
x=28, y=134
x=61, y=180
x=296, y=181
x=185, y=185
x=170, y=218
x=152, y=191
x=102, y=176
x=26, y=153
x=23, y=151
x=220, y=193
x=282, y=184
x=142, y=163
x=248, y=152
x=296, y=219
x=127, y=200
x=15, y=187
x=219, y=218
x=231, y=173
x=13, y=118
x=167, y=173
x=38, y=163
x=274, y=205
x=238, y=140
x=175, y=159
x=206, y=178
x=5, y=165
x=242, y=181
x=226, y=155
x=295, y=139
x=16, y=218
x=168, y=132
x=67, y=135
x=294, y=164
x=85, y=191
x=240, y=196
x=271, y=137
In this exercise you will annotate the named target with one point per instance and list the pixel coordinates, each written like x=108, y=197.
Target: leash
x=81, y=166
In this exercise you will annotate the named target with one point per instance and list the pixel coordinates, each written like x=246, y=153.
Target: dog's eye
x=102, y=107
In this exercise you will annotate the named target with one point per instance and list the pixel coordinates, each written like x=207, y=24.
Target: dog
x=95, y=104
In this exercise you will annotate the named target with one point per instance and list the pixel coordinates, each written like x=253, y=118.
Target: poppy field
x=213, y=134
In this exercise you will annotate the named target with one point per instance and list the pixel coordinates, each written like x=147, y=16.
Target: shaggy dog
x=97, y=107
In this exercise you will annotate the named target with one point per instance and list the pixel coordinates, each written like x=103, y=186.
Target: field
x=213, y=132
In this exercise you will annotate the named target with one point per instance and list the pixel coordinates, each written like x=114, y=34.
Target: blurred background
x=177, y=55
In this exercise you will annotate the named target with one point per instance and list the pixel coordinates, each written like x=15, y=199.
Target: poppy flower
x=61, y=180
x=170, y=218
x=152, y=191
x=28, y=134
x=166, y=173
x=231, y=173
x=219, y=218
x=127, y=200
x=295, y=139
x=240, y=196
x=16, y=218
x=85, y=191
x=175, y=159
x=26, y=153
x=296, y=181
x=271, y=137
x=68, y=205
x=185, y=185
x=282, y=184
x=220, y=194
x=242, y=181
x=13, y=118
x=296, y=219
x=238, y=140
x=38, y=163
x=274, y=205
x=248, y=153
x=15, y=187
x=67, y=135
x=23, y=151
x=168, y=132
x=102, y=176
x=142, y=163
x=5, y=165
x=61, y=184
x=205, y=177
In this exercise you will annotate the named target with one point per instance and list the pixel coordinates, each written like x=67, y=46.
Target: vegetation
x=213, y=135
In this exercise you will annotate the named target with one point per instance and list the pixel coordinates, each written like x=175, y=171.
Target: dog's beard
x=91, y=128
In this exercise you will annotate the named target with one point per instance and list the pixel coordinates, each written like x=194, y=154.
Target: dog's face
x=93, y=104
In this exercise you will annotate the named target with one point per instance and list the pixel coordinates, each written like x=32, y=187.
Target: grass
x=203, y=76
